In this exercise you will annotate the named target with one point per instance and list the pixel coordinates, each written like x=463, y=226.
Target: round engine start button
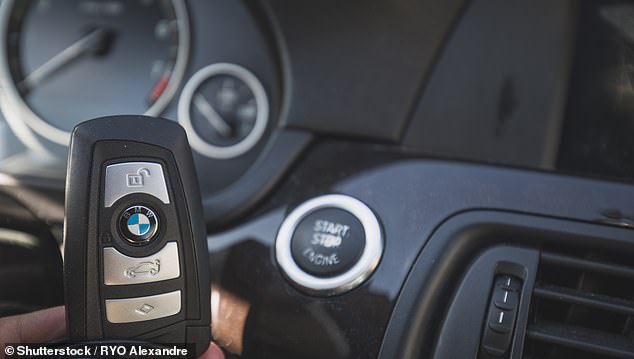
x=327, y=242
x=138, y=224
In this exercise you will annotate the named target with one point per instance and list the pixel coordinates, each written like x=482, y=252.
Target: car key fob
x=136, y=259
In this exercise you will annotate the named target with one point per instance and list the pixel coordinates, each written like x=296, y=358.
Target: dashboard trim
x=423, y=298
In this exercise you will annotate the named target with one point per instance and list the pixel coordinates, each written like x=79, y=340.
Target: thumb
x=37, y=327
x=213, y=352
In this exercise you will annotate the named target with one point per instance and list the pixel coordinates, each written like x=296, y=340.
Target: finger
x=37, y=327
x=213, y=352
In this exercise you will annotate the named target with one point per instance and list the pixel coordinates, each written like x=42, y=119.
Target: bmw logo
x=138, y=224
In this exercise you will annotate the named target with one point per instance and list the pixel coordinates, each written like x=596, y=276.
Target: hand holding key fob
x=136, y=260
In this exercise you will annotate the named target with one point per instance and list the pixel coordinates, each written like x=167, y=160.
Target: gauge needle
x=211, y=115
x=88, y=42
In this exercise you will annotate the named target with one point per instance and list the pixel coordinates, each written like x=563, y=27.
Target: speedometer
x=62, y=62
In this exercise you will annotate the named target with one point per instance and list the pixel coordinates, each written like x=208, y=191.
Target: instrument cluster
x=64, y=62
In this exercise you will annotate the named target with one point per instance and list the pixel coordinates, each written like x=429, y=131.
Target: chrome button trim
x=185, y=102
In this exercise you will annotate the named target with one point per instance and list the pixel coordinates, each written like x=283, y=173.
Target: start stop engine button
x=329, y=244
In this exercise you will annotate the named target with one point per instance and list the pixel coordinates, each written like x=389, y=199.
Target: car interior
x=359, y=179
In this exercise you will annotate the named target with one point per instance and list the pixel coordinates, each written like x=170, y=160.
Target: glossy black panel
x=411, y=197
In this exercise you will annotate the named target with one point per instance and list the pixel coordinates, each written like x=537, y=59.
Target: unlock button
x=134, y=177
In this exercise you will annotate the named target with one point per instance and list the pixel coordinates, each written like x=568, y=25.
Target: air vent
x=582, y=307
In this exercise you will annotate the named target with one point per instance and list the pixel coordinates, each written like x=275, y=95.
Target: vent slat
x=589, y=299
x=588, y=265
x=582, y=307
x=582, y=339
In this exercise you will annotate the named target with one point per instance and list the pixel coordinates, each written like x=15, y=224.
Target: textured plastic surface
x=499, y=88
x=355, y=67
x=90, y=227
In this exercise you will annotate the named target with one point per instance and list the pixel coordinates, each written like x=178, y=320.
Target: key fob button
x=129, y=310
x=119, y=269
x=134, y=177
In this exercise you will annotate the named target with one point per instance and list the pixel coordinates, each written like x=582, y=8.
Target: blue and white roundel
x=139, y=224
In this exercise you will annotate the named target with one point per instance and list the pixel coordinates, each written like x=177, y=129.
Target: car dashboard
x=379, y=179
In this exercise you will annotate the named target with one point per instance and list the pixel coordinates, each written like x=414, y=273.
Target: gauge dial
x=63, y=62
x=224, y=110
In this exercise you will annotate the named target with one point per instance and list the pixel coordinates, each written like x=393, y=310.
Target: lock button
x=134, y=177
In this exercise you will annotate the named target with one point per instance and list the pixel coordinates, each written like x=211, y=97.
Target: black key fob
x=135, y=257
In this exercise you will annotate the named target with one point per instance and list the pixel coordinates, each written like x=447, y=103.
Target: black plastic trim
x=283, y=150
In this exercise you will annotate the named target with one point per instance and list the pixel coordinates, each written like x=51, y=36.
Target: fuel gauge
x=224, y=110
